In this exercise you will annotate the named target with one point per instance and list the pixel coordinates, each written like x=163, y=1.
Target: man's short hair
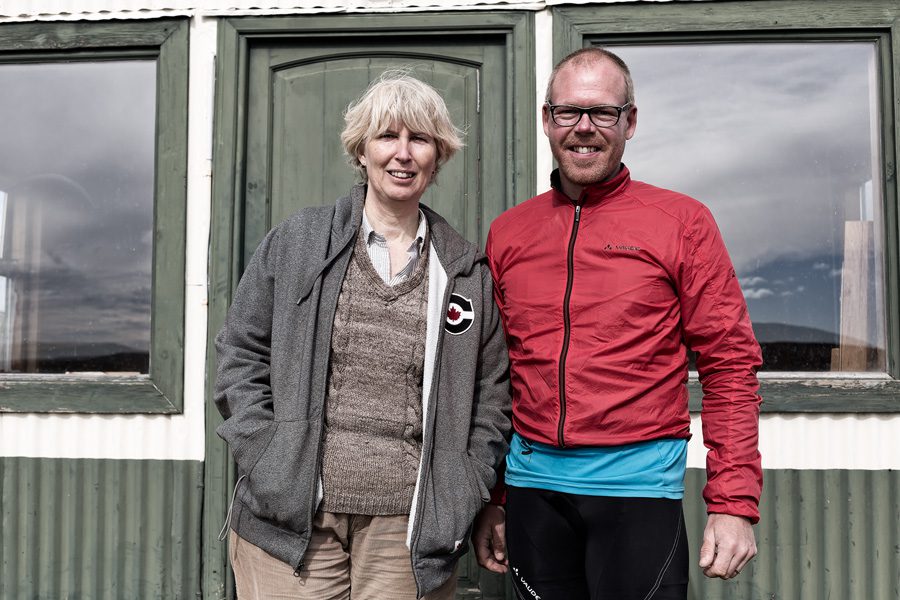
x=397, y=98
x=584, y=56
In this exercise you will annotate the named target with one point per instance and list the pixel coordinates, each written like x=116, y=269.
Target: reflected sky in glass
x=77, y=166
x=781, y=142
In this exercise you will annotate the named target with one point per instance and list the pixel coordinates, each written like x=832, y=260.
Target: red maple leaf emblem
x=453, y=314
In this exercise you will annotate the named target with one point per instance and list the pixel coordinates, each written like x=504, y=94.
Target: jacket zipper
x=332, y=310
x=315, y=483
x=567, y=325
x=315, y=487
x=417, y=530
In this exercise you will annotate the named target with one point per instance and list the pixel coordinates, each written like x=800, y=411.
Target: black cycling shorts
x=572, y=547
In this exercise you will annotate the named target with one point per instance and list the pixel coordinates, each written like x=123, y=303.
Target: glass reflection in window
x=782, y=142
x=76, y=216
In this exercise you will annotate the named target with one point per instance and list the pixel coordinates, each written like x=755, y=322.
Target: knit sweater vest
x=373, y=411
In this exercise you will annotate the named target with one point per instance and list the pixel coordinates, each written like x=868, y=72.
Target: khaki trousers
x=349, y=556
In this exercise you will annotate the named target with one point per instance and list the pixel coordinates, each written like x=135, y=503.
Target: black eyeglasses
x=603, y=115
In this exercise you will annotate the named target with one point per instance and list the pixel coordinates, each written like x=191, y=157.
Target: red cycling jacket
x=600, y=299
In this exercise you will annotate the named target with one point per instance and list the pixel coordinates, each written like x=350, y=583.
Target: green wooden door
x=282, y=84
x=299, y=91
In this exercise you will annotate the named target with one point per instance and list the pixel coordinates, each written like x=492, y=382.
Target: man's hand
x=489, y=538
x=728, y=545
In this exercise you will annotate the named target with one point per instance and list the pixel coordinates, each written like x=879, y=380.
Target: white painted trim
x=175, y=437
x=799, y=441
x=68, y=10
x=100, y=10
x=558, y=2
x=805, y=441
x=543, y=65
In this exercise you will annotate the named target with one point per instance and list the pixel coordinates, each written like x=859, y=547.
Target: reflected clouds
x=781, y=141
x=778, y=137
x=77, y=163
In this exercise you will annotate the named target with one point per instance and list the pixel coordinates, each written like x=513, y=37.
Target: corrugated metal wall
x=123, y=529
x=99, y=529
x=824, y=535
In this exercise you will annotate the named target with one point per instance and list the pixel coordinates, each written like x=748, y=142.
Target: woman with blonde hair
x=362, y=375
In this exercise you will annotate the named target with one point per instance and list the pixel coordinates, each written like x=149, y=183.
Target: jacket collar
x=455, y=253
x=345, y=222
x=596, y=192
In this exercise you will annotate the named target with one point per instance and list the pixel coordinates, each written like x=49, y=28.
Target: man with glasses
x=604, y=283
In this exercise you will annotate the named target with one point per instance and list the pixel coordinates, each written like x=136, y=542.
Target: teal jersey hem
x=652, y=469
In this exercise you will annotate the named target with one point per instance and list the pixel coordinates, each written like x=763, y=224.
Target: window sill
x=849, y=394
x=83, y=394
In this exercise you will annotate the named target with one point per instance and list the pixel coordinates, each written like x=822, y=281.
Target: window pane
x=782, y=143
x=76, y=216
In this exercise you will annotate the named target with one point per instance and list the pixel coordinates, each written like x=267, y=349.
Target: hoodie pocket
x=279, y=486
x=452, y=500
x=247, y=451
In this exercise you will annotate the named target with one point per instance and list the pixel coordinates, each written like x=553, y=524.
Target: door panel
x=282, y=83
x=299, y=94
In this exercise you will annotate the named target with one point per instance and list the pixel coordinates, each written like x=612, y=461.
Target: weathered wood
x=724, y=18
x=140, y=38
x=166, y=40
x=855, y=301
x=277, y=47
x=219, y=472
x=820, y=395
x=170, y=215
x=295, y=116
x=128, y=395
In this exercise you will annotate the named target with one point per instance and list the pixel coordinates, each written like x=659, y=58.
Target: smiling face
x=399, y=165
x=588, y=154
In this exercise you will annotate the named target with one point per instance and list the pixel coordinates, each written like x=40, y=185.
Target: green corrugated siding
x=824, y=535
x=99, y=529
x=129, y=529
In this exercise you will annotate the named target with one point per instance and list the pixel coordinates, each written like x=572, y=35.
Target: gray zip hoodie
x=273, y=355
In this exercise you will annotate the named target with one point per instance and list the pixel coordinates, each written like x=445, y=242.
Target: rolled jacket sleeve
x=717, y=326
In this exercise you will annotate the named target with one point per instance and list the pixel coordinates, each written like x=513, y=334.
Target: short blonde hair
x=398, y=98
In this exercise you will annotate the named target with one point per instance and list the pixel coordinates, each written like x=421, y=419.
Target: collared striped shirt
x=376, y=245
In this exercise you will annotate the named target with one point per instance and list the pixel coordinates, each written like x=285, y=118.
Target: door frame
x=236, y=36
